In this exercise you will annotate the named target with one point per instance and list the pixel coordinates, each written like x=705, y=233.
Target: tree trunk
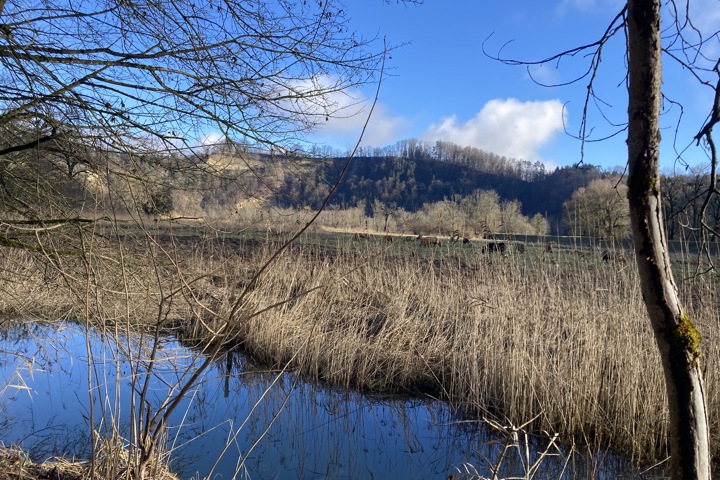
x=677, y=339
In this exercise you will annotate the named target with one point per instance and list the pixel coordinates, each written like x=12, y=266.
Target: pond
x=249, y=423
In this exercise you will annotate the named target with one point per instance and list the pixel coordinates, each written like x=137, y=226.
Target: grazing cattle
x=609, y=256
x=428, y=241
x=389, y=238
x=455, y=237
x=361, y=236
x=493, y=247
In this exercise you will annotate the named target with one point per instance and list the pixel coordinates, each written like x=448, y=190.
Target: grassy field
x=561, y=336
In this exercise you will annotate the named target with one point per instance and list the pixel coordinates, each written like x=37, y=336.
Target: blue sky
x=441, y=84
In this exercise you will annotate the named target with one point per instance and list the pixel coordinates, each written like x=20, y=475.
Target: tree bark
x=677, y=339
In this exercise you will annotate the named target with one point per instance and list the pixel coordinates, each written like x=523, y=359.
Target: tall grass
x=558, y=337
x=518, y=336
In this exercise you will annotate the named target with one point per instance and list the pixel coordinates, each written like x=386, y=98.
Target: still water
x=248, y=424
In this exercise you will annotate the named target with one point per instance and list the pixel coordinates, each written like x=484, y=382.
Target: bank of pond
x=241, y=421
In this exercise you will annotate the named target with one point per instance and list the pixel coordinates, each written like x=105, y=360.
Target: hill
x=409, y=182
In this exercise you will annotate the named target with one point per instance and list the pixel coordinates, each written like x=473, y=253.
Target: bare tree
x=677, y=338
x=599, y=210
x=540, y=224
x=126, y=86
x=483, y=211
x=112, y=102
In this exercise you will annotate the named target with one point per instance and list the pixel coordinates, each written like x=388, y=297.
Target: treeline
x=412, y=174
x=409, y=183
x=450, y=153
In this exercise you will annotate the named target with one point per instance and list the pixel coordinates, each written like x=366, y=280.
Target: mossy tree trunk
x=677, y=338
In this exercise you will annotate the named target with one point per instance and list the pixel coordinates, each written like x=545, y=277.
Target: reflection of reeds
x=559, y=335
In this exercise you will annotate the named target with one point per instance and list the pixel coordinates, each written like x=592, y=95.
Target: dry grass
x=16, y=465
x=560, y=337
x=516, y=337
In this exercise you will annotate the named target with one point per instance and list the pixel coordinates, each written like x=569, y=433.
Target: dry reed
x=560, y=337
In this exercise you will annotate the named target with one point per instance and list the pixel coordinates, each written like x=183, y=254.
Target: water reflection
x=249, y=423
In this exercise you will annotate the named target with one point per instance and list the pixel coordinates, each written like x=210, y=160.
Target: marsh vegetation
x=559, y=338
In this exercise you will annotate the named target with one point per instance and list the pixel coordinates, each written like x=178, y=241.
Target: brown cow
x=389, y=238
x=361, y=236
x=428, y=241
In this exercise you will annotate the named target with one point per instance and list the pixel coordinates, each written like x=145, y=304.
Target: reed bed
x=557, y=336
x=515, y=337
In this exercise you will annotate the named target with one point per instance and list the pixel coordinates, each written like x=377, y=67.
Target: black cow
x=499, y=247
x=609, y=256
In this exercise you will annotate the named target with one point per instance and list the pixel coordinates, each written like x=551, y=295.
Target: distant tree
x=512, y=220
x=673, y=198
x=540, y=224
x=384, y=211
x=482, y=208
x=599, y=210
x=442, y=218
x=687, y=207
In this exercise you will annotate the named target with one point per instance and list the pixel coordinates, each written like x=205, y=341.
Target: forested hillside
x=440, y=186
x=411, y=174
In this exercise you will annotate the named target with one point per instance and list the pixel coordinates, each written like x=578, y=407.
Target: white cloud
x=350, y=110
x=209, y=139
x=506, y=127
x=345, y=113
x=383, y=128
